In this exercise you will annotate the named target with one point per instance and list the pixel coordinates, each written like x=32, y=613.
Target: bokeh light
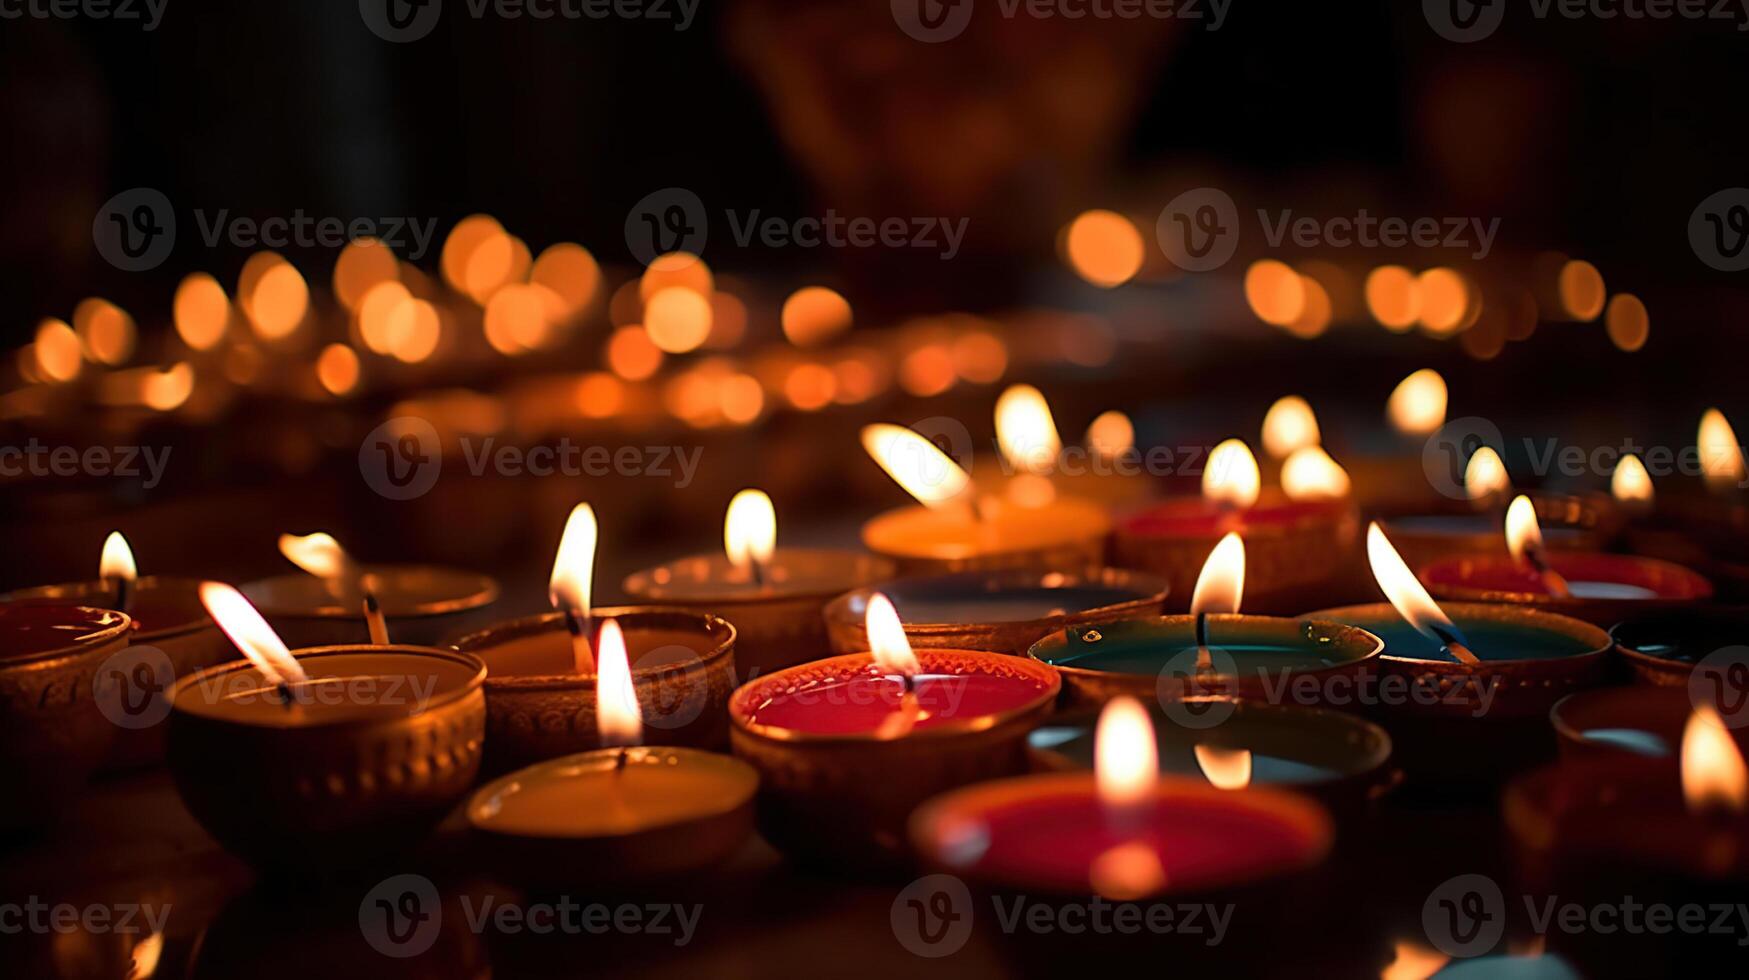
x=1103, y=247
x=200, y=311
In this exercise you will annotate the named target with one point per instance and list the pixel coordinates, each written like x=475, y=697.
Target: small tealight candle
x=1702, y=524
x=846, y=747
x=1214, y=650
x=1665, y=647
x=618, y=815
x=1597, y=587
x=52, y=733
x=773, y=596
x=1034, y=468
x=1639, y=720
x=1297, y=541
x=1004, y=612
x=311, y=762
x=954, y=528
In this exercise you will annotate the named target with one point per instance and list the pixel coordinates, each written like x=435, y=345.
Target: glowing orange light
x=1630, y=483
x=317, y=553
x=1221, y=584
x=1224, y=768
x=979, y=357
x=1485, y=475
x=600, y=395
x=750, y=529
x=385, y=316
x=887, y=642
x=813, y=315
x=250, y=634
x=1417, y=405
x=1582, y=290
x=1310, y=474
x=363, y=263
x=464, y=240
x=1627, y=321
x=1714, y=777
x=631, y=355
x=1721, y=457
x=201, y=311
x=573, y=579
x=741, y=398
x=117, y=560
x=810, y=387
x=1111, y=435
x=617, y=716
x=516, y=319
x=677, y=319
x=924, y=471
x=168, y=389
x=1104, y=247
x=57, y=350
x=571, y=273
x=1444, y=299
x=675, y=269
x=1025, y=431
x=1393, y=296
x=273, y=295
x=105, y=331
x=1126, y=759
x=1230, y=477
x=1276, y=293
x=337, y=369
x=1289, y=425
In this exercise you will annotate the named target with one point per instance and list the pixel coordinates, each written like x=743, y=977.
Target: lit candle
x=773, y=596
x=1639, y=720
x=389, y=736
x=1664, y=647
x=846, y=747
x=1698, y=524
x=617, y=815
x=957, y=529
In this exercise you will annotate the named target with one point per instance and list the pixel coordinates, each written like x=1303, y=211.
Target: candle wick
x=375, y=621
x=1552, y=580
x=285, y=694
x=1454, y=647
x=619, y=763
x=124, y=593
x=578, y=624
x=1204, y=660
x=980, y=512
x=758, y=569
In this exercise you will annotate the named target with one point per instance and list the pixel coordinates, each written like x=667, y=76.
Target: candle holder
x=357, y=774
x=778, y=621
x=1446, y=528
x=1606, y=588
x=1663, y=648
x=1003, y=612
x=1636, y=720
x=168, y=616
x=1065, y=533
x=423, y=604
x=1707, y=533
x=1249, y=657
x=1293, y=548
x=590, y=819
x=52, y=733
x=538, y=707
x=841, y=798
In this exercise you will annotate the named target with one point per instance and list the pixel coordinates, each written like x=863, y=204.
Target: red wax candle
x=1604, y=588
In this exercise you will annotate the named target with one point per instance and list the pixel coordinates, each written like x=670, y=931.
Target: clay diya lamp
x=168, y=618
x=1593, y=586
x=1294, y=545
x=773, y=596
x=314, y=763
x=1638, y=720
x=847, y=747
x=1656, y=831
x=1666, y=648
x=1034, y=467
x=1340, y=759
x=618, y=816
x=421, y=604
x=1212, y=651
x=1004, y=612
x=955, y=528
x=1702, y=524
x=541, y=684
x=52, y=732
x=1465, y=688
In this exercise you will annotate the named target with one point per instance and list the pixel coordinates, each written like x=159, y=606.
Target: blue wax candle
x=1256, y=644
x=1488, y=640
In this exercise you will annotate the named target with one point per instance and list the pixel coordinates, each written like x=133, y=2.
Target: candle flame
x=1221, y=583
x=617, y=717
x=1025, y=430
x=1417, y=406
x=1289, y=426
x=1485, y=475
x=143, y=958
x=750, y=529
x=1310, y=474
x=250, y=633
x=1111, y=435
x=1225, y=768
x=1231, y=478
x=1630, y=483
x=887, y=640
x=573, y=579
x=318, y=553
x=1524, y=536
x=1713, y=773
x=924, y=471
x=1126, y=760
x=117, y=561
x=1413, y=962
x=1403, y=589
x=1721, y=458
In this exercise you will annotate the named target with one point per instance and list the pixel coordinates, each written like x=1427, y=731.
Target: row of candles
x=859, y=740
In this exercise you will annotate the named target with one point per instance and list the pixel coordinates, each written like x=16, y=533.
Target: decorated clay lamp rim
x=1666, y=708
x=747, y=698
x=1596, y=640
x=1099, y=527
x=104, y=625
x=1634, y=633
x=1150, y=592
x=868, y=568
x=1596, y=515
x=1673, y=583
x=67, y=592
x=313, y=656
x=479, y=643
x=478, y=590
x=1152, y=520
x=490, y=793
x=1304, y=628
